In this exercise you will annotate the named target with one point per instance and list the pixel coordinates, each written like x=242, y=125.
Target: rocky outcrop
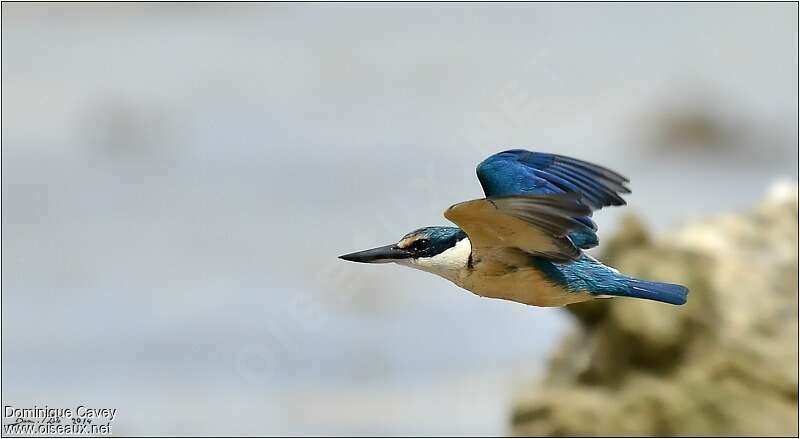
x=726, y=363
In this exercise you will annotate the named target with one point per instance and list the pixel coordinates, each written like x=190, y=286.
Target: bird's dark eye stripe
x=420, y=243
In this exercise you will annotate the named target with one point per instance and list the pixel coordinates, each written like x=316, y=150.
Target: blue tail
x=662, y=292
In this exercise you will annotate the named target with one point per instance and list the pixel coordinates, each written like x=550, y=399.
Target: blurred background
x=178, y=180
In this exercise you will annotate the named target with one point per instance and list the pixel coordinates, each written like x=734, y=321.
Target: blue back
x=584, y=274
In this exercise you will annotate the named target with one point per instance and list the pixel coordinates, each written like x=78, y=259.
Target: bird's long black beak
x=380, y=255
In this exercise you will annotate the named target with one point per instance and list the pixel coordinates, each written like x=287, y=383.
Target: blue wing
x=518, y=171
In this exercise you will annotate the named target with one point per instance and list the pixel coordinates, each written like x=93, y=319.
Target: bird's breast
x=519, y=284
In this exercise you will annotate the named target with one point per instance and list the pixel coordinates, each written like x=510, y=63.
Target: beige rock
x=723, y=364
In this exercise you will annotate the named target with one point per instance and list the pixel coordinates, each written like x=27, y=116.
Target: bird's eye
x=420, y=244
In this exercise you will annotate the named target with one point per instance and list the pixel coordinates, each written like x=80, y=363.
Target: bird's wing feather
x=536, y=224
x=518, y=171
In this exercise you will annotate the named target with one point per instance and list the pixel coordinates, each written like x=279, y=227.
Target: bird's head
x=422, y=248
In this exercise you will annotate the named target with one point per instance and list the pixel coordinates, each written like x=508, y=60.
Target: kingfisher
x=526, y=240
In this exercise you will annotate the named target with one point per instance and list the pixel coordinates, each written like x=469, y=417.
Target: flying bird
x=525, y=241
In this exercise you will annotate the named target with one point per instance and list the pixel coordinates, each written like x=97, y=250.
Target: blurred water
x=178, y=180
